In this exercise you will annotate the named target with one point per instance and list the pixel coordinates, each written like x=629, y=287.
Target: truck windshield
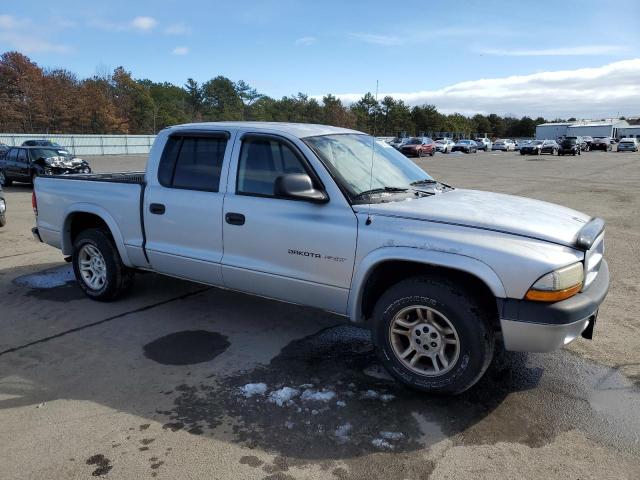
x=349, y=159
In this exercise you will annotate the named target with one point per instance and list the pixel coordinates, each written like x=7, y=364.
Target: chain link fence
x=89, y=144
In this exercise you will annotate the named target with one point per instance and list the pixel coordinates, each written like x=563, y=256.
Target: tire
x=420, y=153
x=521, y=152
x=453, y=308
x=433, y=152
x=4, y=181
x=117, y=277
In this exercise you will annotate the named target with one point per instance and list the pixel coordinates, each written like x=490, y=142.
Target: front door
x=291, y=250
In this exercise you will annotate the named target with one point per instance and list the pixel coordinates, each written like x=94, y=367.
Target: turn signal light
x=552, y=296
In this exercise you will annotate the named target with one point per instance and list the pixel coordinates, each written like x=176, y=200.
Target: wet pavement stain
x=102, y=463
x=341, y=412
x=186, y=348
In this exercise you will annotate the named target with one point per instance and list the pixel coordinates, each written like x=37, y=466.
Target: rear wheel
x=432, y=335
x=98, y=267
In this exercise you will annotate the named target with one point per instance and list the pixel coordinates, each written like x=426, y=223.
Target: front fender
x=454, y=261
x=67, y=247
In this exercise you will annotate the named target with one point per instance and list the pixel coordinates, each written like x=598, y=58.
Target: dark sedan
x=40, y=143
x=538, y=147
x=418, y=147
x=601, y=143
x=22, y=164
x=466, y=146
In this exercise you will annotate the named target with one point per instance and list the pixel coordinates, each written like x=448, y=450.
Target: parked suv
x=569, y=146
x=419, y=147
x=444, y=145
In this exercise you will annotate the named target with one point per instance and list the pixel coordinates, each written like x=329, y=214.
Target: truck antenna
x=373, y=149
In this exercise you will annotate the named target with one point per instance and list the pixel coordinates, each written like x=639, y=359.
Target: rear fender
x=67, y=246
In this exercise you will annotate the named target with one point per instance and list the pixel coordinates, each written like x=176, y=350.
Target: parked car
x=398, y=142
x=602, y=143
x=418, y=147
x=504, y=145
x=3, y=209
x=444, y=145
x=588, y=140
x=22, y=164
x=438, y=279
x=538, y=147
x=483, y=144
x=582, y=143
x=628, y=145
x=40, y=143
x=466, y=146
x=4, y=148
x=570, y=146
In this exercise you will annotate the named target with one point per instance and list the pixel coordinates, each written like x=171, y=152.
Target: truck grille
x=592, y=260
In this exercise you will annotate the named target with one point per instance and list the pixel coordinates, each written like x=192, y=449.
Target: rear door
x=22, y=165
x=183, y=206
x=291, y=250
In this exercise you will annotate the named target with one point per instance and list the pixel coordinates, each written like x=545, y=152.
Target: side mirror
x=298, y=186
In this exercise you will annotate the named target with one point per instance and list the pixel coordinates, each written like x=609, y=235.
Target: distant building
x=603, y=128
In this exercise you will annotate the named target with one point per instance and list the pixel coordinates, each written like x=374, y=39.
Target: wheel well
x=81, y=221
x=391, y=272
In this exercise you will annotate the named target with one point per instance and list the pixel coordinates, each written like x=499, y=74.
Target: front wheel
x=4, y=181
x=98, y=267
x=433, y=152
x=432, y=335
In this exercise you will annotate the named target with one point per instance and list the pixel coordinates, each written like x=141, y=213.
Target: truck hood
x=491, y=211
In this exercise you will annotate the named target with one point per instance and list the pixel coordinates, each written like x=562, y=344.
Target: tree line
x=39, y=100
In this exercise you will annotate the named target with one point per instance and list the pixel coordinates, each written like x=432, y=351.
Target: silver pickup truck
x=331, y=218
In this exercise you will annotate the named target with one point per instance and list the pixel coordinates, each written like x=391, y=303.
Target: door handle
x=157, y=208
x=234, y=218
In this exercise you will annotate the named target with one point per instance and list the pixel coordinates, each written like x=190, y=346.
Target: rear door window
x=192, y=162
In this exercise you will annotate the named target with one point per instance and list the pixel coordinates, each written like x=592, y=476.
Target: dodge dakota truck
x=331, y=218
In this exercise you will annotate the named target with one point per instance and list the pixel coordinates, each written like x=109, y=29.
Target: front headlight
x=557, y=285
x=3, y=206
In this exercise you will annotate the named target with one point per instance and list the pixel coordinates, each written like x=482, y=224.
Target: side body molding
x=67, y=247
x=428, y=257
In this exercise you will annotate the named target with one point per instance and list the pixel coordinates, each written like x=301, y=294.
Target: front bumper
x=543, y=327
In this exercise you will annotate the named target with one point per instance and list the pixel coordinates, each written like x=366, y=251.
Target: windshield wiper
x=424, y=181
x=373, y=191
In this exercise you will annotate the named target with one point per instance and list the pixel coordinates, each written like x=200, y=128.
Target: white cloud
x=554, y=52
x=144, y=24
x=305, y=41
x=586, y=92
x=177, y=29
x=387, y=40
x=180, y=51
x=19, y=34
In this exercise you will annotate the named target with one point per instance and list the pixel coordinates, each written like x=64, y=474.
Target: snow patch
x=251, y=389
x=51, y=278
x=387, y=397
x=341, y=403
x=317, y=396
x=393, y=436
x=342, y=432
x=370, y=395
x=382, y=444
x=283, y=396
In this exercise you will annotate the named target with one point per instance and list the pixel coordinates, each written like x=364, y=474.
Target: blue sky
x=417, y=50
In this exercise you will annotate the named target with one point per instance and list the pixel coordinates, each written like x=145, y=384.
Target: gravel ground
x=179, y=380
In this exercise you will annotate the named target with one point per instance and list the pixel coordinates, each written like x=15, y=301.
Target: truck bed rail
x=115, y=177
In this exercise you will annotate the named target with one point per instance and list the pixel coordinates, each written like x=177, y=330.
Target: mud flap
x=588, y=332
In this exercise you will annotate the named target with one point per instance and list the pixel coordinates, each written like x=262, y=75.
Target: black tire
x=420, y=153
x=465, y=314
x=521, y=152
x=433, y=152
x=119, y=278
x=4, y=181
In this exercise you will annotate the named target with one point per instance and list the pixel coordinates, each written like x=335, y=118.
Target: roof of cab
x=300, y=130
